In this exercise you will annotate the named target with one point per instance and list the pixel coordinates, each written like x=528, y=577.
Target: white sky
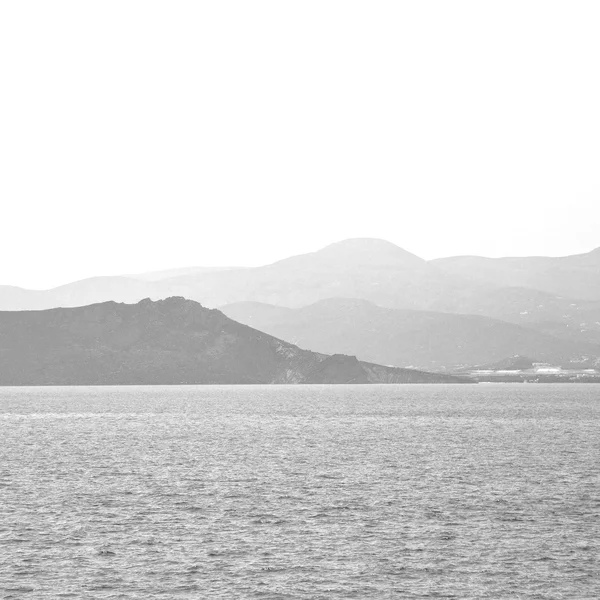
x=146, y=135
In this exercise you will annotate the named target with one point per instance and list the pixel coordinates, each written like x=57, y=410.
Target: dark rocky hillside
x=166, y=342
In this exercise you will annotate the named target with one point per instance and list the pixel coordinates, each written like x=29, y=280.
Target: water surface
x=306, y=492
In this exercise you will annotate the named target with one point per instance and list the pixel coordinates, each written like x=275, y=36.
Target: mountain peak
x=365, y=244
x=170, y=302
x=370, y=250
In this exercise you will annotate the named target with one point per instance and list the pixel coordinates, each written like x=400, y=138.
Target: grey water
x=488, y=491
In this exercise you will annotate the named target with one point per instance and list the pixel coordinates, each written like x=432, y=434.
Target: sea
x=300, y=492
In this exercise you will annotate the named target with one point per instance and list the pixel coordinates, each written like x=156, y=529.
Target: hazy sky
x=145, y=135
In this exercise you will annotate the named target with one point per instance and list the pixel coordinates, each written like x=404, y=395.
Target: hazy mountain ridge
x=79, y=293
x=165, y=342
x=364, y=268
x=583, y=325
x=383, y=274
x=178, y=272
x=576, y=276
x=400, y=337
x=369, y=269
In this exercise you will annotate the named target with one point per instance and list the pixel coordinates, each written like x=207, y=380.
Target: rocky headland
x=171, y=341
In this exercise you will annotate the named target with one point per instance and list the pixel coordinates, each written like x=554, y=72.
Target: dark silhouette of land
x=172, y=341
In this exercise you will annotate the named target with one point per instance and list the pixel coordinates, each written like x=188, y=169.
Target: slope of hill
x=165, y=342
x=576, y=276
x=371, y=269
x=179, y=272
x=426, y=340
x=362, y=268
x=16, y=298
x=524, y=306
x=582, y=325
x=367, y=269
x=78, y=293
x=512, y=363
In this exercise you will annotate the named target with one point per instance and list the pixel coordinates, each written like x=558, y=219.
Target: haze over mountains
x=422, y=339
x=576, y=276
x=169, y=273
x=370, y=269
x=546, y=308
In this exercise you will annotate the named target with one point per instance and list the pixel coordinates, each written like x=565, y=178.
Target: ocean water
x=305, y=492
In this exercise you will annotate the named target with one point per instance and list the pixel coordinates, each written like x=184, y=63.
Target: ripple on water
x=300, y=492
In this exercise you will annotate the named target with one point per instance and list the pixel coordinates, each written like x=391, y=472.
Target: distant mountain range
x=368, y=269
x=180, y=272
x=552, y=304
x=421, y=339
x=576, y=276
x=169, y=341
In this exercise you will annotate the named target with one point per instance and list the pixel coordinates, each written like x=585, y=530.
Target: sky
x=143, y=135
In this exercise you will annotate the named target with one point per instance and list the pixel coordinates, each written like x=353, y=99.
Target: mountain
x=422, y=339
x=365, y=268
x=179, y=272
x=524, y=306
x=16, y=298
x=78, y=293
x=576, y=276
x=166, y=342
x=371, y=269
x=511, y=363
x=581, y=325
